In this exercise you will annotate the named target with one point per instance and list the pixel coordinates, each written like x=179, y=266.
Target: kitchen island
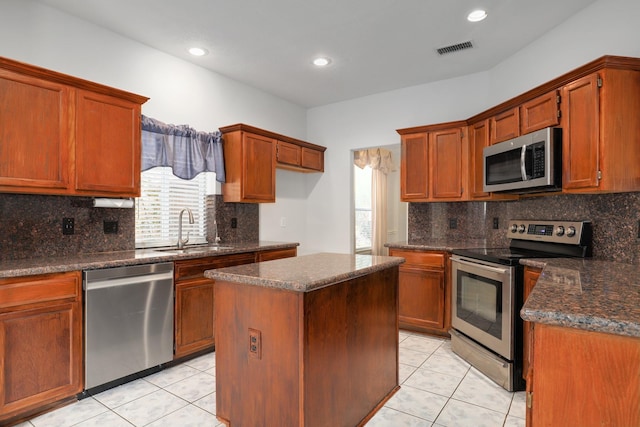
x=306, y=341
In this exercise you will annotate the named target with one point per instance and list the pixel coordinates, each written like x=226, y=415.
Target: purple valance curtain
x=186, y=151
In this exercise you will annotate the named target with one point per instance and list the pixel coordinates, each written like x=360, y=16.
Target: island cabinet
x=600, y=132
x=66, y=136
x=306, y=341
x=194, y=297
x=40, y=343
x=531, y=276
x=424, y=291
x=434, y=163
x=583, y=378
x=252, y=156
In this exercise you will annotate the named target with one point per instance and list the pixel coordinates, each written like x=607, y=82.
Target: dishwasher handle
x=90, y=285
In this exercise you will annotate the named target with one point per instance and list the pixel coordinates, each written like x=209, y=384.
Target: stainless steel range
x=487, y=294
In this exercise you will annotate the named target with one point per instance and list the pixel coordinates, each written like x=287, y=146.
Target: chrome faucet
x=217, y=238
x=181, y=242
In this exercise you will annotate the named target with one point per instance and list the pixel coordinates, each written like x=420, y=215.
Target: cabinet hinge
x=558, y=99
x=599, y=175
x=599, y=81
x=559, y=114
x=529, y=398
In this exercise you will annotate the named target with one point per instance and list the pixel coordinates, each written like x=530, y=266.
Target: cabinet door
x=446, y=149
x=479, y=138
x=107, y=145
x=312, y=159
x=258, y=168
x=421, y=297
x=194, y=327
x=40, y=342
x=414, y=181
x=539, y=113
x=288, y=154
x=531, y=276
x=34, y=135
x=580, y=133
x=505, y=126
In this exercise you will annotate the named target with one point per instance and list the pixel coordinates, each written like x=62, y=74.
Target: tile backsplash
x=31, y=225
x=614, y=217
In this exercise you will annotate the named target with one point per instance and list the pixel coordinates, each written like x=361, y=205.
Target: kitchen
x=302, y=200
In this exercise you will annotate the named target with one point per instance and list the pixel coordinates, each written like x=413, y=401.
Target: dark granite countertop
x=438, y=244
x=593, y=295
x=90, y=261
x=305, y=273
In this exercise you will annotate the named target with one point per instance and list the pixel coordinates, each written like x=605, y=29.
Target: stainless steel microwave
x=526, y=164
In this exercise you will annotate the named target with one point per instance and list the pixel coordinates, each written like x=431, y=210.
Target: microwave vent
x=455, y=47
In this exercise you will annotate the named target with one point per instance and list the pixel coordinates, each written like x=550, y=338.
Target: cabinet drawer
x=430, y=259
x=196, y=267
x=276, y=254
x=35, y=289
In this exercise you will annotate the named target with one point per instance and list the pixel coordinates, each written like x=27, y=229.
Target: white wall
x=605, y=27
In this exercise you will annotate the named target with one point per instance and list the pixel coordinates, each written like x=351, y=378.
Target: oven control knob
x=521, y=228
x=514, y=228
x=560, y=231
x=571, y=231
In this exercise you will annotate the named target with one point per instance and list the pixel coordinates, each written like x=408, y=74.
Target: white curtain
x=381, y=163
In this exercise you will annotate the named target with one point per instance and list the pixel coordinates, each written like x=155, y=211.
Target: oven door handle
x=479, y=265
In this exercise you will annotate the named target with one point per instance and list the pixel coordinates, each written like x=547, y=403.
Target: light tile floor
x=437, y=389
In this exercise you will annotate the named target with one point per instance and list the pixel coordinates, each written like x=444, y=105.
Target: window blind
x=163, y=196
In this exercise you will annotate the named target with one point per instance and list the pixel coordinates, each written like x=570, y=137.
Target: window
x=362, y=180
x=163, y=196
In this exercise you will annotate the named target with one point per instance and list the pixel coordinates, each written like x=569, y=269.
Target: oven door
x=483, y=303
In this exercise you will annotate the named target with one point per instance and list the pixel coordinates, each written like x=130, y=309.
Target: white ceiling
x=375, y=45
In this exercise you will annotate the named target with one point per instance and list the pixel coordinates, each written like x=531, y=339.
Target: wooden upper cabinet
x=250, y=166
x=539, y=113
x=288, y=154
x=448, y=160
x=312, y=159
x=414, y=173
x=478, y=140
x=251, y=156
x=505, y=126
x=35, y=119
x=67, y=136
x=600, y=123
x=107, y=145
x=434, y=163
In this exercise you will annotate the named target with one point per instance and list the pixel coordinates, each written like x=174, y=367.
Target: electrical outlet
x=496, y=223
x=110, y=227
x=255, y=343
x=67, y=226
x=234, y=222
x=453, y=223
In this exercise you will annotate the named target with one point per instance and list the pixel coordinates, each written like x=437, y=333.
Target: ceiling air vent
x=455, y=47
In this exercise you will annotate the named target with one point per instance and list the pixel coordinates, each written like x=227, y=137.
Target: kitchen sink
x=194, y=249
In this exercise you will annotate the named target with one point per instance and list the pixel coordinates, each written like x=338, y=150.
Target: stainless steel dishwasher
x=128, y=321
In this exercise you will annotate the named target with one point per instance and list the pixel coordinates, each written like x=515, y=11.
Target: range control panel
x=567, y=232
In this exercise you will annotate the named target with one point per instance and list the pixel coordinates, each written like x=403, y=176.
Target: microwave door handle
x=523, y=167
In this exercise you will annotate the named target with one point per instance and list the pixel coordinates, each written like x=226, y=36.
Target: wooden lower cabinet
x=583, y=378
x=40, y=343
x=424, y=291
x=531, y=275
x=194, y=315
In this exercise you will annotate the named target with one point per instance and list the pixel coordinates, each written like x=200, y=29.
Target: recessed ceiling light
x=477, y=15
x=321, y=61
x=198, y=51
